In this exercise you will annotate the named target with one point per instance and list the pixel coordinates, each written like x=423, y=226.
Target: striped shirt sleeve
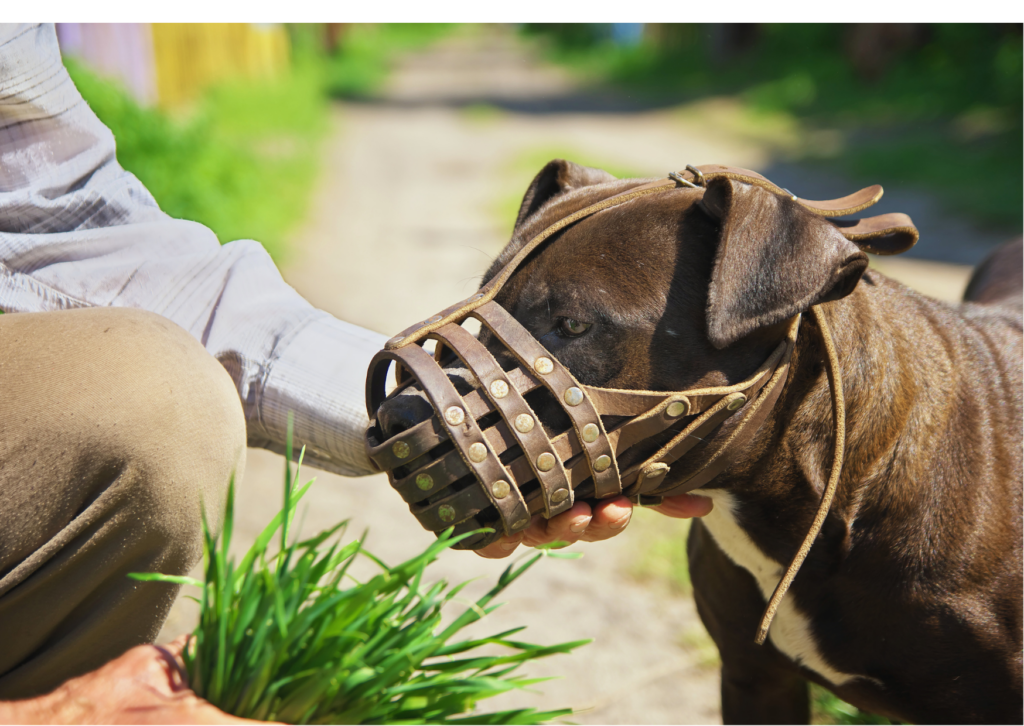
x=77, y=230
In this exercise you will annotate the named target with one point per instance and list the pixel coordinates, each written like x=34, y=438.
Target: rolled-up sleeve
x=76, y=230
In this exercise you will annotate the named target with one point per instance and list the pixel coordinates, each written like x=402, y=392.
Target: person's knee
x=128, y=412
x=186, y=435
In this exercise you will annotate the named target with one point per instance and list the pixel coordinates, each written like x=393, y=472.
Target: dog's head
x=687, y=288
x=671, y=291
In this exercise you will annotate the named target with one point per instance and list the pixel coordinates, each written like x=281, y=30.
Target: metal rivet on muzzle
x=573, y=396
x=524, y=423
x=543, y=365
x=424, y=481
x=400, y=449
x=499, y=389
x=500, y=489
x=477, y=452
x=454, y=415
x=559, y=495
x=546, y=461
x=520, y=523
x=676, y=409
x=602, y=462
x=446, y=512
x=734, y=404
x=590, y=433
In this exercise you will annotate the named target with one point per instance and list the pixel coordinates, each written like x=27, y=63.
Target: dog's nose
x=403, y=412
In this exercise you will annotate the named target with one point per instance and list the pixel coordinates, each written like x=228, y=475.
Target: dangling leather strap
x=839, y=419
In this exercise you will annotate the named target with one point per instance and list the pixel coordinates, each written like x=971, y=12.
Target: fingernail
x=509, y=546
x=620, y=523
x=579, y=525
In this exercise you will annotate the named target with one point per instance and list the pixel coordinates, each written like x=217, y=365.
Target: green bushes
x=944, y=105
x=360, y=65
x=242, y=162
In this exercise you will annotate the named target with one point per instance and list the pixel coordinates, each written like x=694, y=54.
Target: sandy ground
x=412, y=206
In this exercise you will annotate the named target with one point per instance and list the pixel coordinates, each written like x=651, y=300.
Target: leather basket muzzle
x=485, y=460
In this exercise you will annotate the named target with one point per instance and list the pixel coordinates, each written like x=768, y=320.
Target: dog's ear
x=774, y=260
x=558, y=177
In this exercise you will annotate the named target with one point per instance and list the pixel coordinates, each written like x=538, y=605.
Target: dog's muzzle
x=484, y=459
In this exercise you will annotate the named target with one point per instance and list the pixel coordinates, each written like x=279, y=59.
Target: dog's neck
x=783, y=475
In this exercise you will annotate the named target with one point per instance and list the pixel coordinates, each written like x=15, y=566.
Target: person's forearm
x=76, y=230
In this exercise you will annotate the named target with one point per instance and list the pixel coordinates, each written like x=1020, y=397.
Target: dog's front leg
x=759, y=685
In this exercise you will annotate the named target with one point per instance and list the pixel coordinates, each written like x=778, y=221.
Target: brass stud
x=602, y=462
x=400, y=449
x=546, y=461
x=519, y=524
x=477, y=452
x=573, y=396
x=446, y=512
x=559, y=495
x=543, y=365
x=524, y=423
x=736, y=402
x=454, y=415
x=500, y=489
x=424, y=481
x=676, y=409
x=476, y=297
x=590, y=433
x=431, y=321
x=499, y=389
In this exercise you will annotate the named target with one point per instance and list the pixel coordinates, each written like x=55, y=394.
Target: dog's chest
x=791, y=630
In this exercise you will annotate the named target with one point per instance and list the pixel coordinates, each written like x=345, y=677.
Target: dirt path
x=414, y=202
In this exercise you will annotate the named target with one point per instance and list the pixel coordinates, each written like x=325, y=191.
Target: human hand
x=146, y=685
x=606, y=519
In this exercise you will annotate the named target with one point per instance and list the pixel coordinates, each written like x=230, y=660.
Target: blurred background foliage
x=933, y=105
x=236, y=150
x=225, y=128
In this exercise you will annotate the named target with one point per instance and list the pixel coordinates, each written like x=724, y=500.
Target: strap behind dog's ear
x=850, y=204
x=886, y=234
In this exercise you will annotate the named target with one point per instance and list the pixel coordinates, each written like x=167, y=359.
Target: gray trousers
x=115, y=425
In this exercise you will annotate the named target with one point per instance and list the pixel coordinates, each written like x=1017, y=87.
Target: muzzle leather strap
x=838, y=454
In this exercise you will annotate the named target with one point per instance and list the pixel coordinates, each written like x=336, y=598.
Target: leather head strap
x=486, y=459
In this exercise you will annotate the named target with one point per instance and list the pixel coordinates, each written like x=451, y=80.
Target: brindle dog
x=909, y=604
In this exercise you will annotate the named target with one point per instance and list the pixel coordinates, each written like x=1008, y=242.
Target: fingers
x=685, y=506
x=565, y=527
x=173, y=664
x=610, y=517
x=580, y=522
x=604, y=520
x=502, y=547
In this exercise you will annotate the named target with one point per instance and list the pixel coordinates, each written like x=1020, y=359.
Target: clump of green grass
x=281, y=637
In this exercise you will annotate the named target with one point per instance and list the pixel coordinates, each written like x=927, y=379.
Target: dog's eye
x=573, y=328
